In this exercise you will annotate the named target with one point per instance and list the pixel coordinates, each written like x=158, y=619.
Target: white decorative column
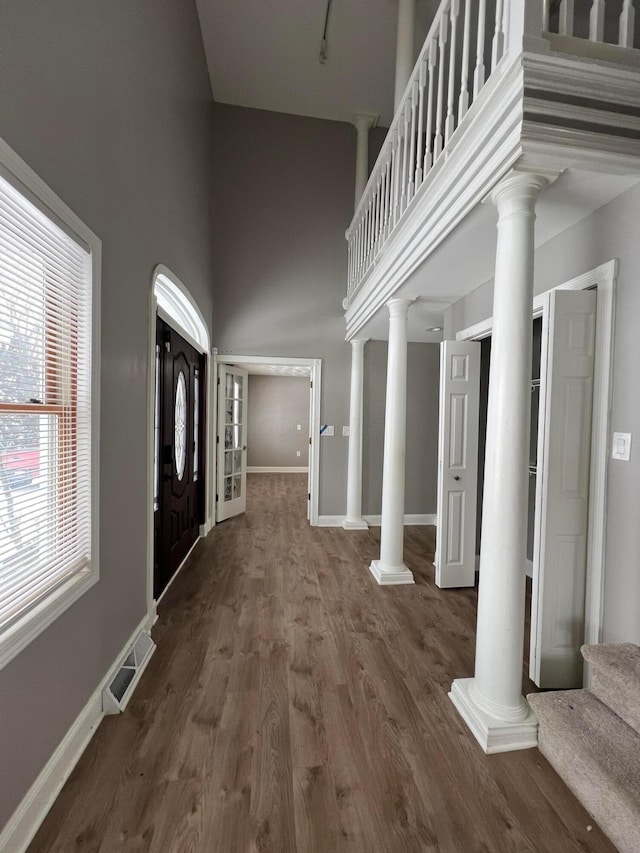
x=492, y=703
x=390, y=569
x=363, y=123
x=354, y=519
x=405, y=48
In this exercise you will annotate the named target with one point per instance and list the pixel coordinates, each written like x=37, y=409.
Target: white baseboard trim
x=206, y=528
x=289, y=469
x=376, y=520
x=330, y=520
x=27, y=818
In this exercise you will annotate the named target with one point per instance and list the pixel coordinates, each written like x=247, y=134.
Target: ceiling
x=264, y=54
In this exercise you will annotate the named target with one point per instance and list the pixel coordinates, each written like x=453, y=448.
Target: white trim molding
x=415, y=519
x=29, y=815
x=282, y=469
x=315, y=377
x=37, y=619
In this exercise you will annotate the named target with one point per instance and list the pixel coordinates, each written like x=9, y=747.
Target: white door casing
x=562, y=493
x=231, y=441
x=457, y=463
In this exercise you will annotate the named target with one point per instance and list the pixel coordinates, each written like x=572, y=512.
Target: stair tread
x=598, y=756
x=615, y=678
x=590, y=724
x=621, y=657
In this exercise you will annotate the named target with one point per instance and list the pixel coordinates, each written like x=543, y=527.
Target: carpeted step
x=615, y=678
x=597, y=755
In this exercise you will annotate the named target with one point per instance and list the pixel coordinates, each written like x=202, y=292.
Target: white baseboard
x=289, y=469
x=376, y=520
x=330, y=520
x=27, y=818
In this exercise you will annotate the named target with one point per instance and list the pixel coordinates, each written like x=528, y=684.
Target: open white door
x=455, y=559
x=562, y=492
x=231, y=441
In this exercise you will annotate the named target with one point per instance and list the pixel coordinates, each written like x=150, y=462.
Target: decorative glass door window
x=233, y=423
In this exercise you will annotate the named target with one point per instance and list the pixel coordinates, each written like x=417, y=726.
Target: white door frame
x=209, y=472
x=604, y=279
x=315, y=370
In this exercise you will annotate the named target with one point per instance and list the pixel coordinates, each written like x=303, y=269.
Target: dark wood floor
x=294, y=705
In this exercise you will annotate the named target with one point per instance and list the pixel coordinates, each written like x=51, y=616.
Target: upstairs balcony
x=498, y=84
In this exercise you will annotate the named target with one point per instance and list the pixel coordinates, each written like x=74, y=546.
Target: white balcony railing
x=465, y=43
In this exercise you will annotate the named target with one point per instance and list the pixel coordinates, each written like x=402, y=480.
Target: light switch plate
x=621, y=448
x=345, y=431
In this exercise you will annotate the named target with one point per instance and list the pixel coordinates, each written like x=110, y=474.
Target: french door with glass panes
x=231, y=441
x=179, y=431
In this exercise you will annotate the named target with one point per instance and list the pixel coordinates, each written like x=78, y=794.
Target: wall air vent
x=121, y=685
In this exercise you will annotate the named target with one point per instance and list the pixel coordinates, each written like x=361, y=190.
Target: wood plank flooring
x=294, y=706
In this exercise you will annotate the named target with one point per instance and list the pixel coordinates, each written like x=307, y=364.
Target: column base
x=493, y=734
x=388, y=575
x=355, y=524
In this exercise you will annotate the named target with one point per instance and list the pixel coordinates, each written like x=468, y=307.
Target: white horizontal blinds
x=45, y=405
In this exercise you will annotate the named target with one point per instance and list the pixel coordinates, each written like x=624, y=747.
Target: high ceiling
x=265, y=54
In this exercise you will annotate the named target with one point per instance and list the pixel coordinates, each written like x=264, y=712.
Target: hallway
x=294, y=705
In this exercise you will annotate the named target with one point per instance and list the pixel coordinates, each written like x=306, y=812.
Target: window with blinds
x=45, y=406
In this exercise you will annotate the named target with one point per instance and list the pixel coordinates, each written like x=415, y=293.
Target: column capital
x=519, y=189
x=399, y=307
x=357, y=344
x=364, y=121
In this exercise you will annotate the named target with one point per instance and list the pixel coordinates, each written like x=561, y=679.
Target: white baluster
x=412, y=147
x=546, y=14
x=442, y=46
x=350, y=274
x=463, y=100
x=565, y=27
x=627, y=23
x=405, y=155
x=596, y=21
x=384, y=208
x=478, y=77
x=428, y=157
x=397, y=157
x=376, y=218
x=497, y=46
x=449, y=124
x=422, y=82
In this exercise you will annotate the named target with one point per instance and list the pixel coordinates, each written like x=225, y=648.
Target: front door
x=179, y=428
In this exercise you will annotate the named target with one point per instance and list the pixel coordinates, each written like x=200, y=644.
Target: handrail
x=438, y=95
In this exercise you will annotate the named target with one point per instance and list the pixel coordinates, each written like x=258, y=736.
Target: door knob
x=456, y=478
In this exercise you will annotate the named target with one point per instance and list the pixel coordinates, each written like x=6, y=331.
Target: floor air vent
x=118, y=692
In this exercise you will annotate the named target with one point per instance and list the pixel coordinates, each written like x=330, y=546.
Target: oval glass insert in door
x=180, y=426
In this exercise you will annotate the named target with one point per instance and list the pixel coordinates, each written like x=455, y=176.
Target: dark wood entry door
x=179, y=441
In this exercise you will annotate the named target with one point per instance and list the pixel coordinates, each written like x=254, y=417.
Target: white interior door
x=457, y=463
x=231, y=441
x=562, y=492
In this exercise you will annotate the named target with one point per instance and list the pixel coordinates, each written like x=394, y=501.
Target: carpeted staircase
x=592, y=739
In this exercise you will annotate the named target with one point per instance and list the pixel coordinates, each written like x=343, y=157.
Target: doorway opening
x=266, y=437
x=548, y=638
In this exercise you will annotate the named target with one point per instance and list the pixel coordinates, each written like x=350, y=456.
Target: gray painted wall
x=109, y=102
x=277, y=406
x=611, y=232
x=285, y=190
x=423, y=378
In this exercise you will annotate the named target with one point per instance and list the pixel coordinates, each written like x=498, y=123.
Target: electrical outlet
x=299, y=427
x=297, y=453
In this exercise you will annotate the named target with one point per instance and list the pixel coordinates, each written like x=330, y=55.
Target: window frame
x=16, y=635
